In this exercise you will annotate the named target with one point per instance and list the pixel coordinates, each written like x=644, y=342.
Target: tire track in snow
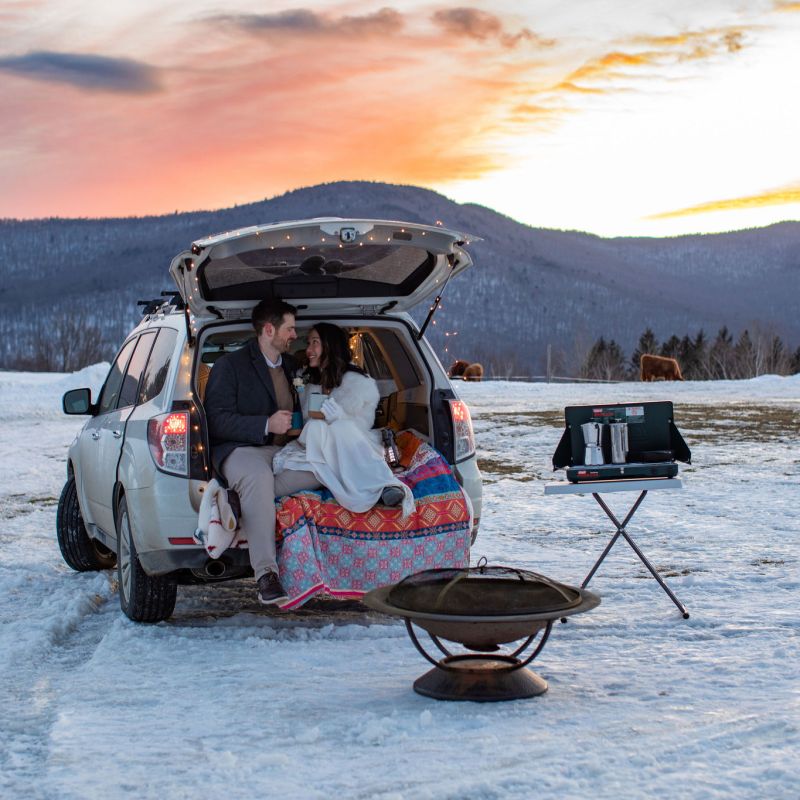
x=51, y=644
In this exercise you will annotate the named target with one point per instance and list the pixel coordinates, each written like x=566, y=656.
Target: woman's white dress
x=345, y=454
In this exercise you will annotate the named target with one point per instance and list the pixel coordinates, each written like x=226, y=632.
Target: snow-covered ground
x=229, y=700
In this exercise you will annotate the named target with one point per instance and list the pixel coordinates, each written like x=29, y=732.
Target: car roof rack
x=175, y=299
x=159, y=303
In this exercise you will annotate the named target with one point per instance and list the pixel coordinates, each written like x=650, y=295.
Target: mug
x=315, y=401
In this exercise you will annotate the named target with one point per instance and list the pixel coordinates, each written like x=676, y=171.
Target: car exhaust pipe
x=214, y=569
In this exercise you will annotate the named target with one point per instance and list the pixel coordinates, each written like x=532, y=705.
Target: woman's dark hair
x=335, y=358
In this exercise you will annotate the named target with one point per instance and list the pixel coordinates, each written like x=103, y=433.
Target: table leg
x=620, y=529
x=622, y=532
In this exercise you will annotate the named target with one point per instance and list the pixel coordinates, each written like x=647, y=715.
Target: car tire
x=143, y=597
x=79, y=551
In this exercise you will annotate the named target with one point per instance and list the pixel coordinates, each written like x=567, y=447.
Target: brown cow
x=466, y=371
x=474, y=372
x=655, y=368
x=457, y=369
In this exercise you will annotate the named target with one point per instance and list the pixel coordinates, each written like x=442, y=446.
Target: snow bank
x=39, y=394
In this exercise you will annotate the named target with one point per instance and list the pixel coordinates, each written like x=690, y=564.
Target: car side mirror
x=77, y=401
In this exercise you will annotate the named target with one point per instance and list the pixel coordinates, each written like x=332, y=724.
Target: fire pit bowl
x=480, y=608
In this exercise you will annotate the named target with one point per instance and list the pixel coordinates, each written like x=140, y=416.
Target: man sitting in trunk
x=249, y=402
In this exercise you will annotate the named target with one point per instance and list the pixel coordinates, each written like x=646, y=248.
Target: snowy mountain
x=531, y=287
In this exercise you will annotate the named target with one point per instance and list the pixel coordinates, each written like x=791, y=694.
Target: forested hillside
x=530, y=287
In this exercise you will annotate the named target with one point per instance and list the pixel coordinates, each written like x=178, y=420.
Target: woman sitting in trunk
x=343, y=450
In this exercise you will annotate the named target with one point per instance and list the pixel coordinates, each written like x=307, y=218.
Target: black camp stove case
x=655, y=444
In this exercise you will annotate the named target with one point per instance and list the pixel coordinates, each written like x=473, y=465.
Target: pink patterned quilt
x=324, y=548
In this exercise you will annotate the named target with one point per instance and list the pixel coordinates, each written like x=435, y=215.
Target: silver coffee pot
x=593, y=439
x=619, y=442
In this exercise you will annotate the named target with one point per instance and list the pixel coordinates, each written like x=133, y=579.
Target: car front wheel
x=78, y=550
x=143, y=597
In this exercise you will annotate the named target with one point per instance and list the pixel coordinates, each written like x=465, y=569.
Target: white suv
x=136, y=471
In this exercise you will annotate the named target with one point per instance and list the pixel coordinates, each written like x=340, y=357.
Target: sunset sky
x=617, y=117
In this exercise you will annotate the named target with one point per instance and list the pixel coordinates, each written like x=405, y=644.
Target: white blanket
x=345, y=455
x=216, y=524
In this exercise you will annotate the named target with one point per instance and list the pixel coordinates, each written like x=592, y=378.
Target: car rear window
x=342, y=271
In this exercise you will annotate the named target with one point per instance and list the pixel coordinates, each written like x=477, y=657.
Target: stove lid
x=482, y=591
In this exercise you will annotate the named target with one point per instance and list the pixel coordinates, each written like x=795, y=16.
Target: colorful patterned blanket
x=324, y=548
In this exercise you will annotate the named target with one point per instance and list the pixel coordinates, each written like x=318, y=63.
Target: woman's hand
x=331, y=410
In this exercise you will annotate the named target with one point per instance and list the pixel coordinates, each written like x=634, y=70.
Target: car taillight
x=168, y=437
x=463, y=436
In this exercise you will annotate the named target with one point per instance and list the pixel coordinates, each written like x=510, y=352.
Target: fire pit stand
x=478, y=676
x=480, y=608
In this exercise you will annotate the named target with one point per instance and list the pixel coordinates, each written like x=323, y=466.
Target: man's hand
x=280, y=422
x=331, y=410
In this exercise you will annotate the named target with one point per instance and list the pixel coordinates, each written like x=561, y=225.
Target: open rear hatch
x=324, y=264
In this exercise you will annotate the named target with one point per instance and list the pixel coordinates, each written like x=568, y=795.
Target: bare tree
x=66, y=342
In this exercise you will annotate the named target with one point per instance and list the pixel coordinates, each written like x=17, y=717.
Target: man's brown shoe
x=270, y=589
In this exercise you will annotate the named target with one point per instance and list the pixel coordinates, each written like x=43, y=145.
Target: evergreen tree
x=700, y=356
x=686, y=358
x=647, y=344
x=720, y=355
x=672, y=348
x=744, y=356
x=794, y=364
x=605, y=361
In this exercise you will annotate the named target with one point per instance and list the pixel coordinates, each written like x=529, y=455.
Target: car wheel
x=79, y=551
x=143, y=597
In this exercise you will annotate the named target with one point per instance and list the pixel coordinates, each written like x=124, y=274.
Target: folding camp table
x=643, y=486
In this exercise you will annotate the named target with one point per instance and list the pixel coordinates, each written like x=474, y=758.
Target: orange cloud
x=787, y=6
x=696, y=44
x=645, y=57
x=606, y=65
x=775, y=197
x=575, y=88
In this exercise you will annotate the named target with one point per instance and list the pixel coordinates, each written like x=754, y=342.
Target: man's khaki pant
x=248, y=470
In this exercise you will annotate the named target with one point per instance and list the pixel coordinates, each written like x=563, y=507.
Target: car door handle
x=116, y=434
x=95, y=435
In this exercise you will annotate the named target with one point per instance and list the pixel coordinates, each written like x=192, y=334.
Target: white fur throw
x=216, y=524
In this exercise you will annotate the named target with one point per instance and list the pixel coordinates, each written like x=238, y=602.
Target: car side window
x=130, y=384
x=374, y=362
x=155, y=374
x=113, y=384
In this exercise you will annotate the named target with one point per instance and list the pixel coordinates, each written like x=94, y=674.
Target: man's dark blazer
x=239, y=398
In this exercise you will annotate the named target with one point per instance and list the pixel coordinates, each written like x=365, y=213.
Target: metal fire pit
x=480, y=608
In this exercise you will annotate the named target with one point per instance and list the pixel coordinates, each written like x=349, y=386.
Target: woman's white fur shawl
x=346, y=455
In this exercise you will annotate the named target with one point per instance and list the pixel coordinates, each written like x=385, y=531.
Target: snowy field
x=229, y=700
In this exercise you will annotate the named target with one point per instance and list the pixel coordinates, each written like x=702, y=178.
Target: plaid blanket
x=324, y=548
